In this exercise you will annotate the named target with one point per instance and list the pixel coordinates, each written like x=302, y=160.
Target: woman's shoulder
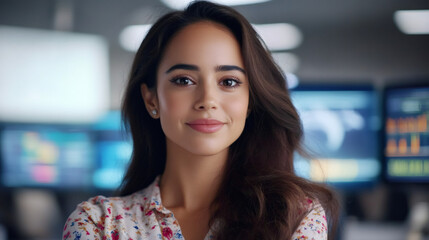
x=101, y=205
x=100, y=214
x=314, y=225
x=140, y=200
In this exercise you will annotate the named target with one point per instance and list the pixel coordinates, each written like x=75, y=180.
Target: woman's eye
x=182, y=81
x=230, y=82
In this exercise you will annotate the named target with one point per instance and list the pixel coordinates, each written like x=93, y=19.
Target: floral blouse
x=142, y=216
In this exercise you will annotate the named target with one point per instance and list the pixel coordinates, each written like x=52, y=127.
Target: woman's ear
x=150, y=100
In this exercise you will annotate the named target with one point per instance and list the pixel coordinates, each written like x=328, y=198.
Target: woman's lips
x=206, y=125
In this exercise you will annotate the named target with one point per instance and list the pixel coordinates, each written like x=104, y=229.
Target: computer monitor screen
x=114, y=149
x=35, y=156
x=407, y=134
x=341, y=129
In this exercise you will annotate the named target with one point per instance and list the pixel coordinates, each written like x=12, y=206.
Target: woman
x=214, y=133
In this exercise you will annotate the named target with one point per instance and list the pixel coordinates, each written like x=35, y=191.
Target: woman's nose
x=206, y=97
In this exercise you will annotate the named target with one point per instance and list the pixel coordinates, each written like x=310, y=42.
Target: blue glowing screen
x=340, y=134
x=407, y=134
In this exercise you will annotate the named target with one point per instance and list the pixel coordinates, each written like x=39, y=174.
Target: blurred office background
x=358, y=72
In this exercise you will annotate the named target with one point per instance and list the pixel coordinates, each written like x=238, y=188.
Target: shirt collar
x=152, y=199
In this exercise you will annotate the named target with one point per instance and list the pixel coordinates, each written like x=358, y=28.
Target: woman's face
x=202, y=92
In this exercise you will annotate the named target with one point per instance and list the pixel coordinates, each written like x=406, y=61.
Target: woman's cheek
x=238, y=110
x=173, y=104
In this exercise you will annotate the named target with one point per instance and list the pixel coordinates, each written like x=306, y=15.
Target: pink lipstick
x=206, y=125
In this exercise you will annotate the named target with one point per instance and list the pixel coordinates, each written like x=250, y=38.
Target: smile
x=206, y=125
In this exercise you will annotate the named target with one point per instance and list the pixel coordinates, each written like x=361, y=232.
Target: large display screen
x=407, y=134
x=64, y=76
x=114, y=149
x=34, y=156
x=341, y=128
x=92, y=157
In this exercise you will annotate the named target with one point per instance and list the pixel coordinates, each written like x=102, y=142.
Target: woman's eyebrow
x=220, y=68
x=223, y=68
x=182, y=66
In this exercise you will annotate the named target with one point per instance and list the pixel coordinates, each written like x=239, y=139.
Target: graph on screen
x=407, y=134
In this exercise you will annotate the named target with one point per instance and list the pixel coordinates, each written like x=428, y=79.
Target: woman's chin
x=208, y=151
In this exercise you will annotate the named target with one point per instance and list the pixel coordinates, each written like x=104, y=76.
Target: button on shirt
x=142, y=216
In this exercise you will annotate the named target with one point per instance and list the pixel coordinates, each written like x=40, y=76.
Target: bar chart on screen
x=407, y=134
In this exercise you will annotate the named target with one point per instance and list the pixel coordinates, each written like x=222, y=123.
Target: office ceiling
x=344, y=41
x=109, y=16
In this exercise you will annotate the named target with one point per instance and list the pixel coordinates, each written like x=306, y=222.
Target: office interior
x=358, y=75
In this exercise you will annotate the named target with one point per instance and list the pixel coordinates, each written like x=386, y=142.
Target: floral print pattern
x=314, y=225
x=141, y=216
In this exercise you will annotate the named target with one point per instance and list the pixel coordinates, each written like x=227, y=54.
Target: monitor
x=406, y=134
x=341, y=128
x=46, y=156
x=114, y=149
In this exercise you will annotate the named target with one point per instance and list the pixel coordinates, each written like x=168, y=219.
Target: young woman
x=214, y=134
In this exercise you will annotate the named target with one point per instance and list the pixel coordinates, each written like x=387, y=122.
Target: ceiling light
x=288, y=62
x=132, y=36
x=279, y=36
x=412, y=21
x=292, y=80
x=176, y=4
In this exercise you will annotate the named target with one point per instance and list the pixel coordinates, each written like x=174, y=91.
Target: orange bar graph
x=391, y=126
x=415, y=144
x=422, y=123
x=391, y=148
x=402, y=146
x=417, y=124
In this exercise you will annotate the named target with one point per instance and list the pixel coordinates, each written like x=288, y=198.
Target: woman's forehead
x=203, y=42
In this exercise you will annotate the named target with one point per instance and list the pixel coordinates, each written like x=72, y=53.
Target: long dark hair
x=260, y=197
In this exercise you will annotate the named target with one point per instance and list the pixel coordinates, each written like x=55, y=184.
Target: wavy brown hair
x=260, y=196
